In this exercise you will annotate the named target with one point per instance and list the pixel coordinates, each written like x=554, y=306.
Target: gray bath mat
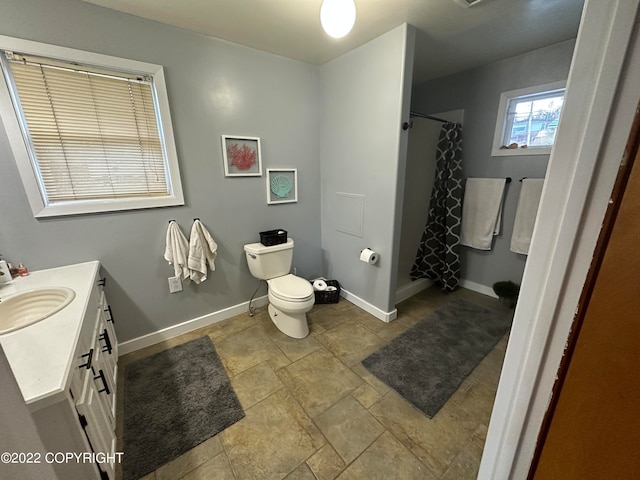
x=427, y=363
x=173, y=401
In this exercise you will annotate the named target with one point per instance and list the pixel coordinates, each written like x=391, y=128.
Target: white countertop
x=40, y=354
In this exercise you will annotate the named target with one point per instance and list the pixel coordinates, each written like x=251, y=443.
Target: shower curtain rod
x=430, y=117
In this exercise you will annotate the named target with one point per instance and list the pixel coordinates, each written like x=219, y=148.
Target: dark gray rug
x=173, y=401
x=427, y=363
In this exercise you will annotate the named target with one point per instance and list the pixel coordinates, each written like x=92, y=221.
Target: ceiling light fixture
x=337, y=17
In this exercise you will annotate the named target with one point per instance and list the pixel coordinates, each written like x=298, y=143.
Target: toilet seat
x=290, y=288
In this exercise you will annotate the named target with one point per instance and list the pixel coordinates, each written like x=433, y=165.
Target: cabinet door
x=103, y=371
x=108, y=339
x=108, y=334
x=108, y=357
x=98, y=427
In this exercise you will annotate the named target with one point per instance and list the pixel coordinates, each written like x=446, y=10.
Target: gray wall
x=214, y=88
x=420, y=170
x=363, y=153
x=478, y=92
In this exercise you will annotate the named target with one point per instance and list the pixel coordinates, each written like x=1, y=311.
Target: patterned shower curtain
x=438, y=256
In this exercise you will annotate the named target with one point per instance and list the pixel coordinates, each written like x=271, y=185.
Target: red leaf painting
x=243, y=158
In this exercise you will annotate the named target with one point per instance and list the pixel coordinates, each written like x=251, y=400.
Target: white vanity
x=65, y=367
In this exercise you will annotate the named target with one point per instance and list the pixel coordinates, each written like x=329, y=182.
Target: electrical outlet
x=175, y=284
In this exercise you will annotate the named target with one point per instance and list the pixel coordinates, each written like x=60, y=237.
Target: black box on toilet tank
x=273, y=237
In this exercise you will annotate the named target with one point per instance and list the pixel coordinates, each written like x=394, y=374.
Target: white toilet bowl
x=290, y=298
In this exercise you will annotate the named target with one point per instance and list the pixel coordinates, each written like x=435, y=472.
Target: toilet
x=290, y=297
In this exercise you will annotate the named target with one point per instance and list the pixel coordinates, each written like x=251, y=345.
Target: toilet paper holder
x=369, y=256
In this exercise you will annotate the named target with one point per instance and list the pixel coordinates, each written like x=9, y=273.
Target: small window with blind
x=94, y=133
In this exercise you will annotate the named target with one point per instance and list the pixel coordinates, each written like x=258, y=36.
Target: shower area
x=424, y=134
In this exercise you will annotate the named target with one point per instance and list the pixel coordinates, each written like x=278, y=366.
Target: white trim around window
x=498, y=135
x=27, y=169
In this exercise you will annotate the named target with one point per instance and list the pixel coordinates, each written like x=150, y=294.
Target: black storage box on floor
x=328, y=296
x=273, y=237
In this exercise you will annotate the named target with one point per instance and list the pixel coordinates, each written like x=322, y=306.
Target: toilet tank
x=269, y=262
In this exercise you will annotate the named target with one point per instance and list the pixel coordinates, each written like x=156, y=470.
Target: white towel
x=177, y=250
x=526, y=214
x=202, y=251
x=481, y=212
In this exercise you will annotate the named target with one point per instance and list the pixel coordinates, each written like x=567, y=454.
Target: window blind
x=93, y=134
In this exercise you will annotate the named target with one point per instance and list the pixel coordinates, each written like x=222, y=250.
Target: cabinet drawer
x=84, y=351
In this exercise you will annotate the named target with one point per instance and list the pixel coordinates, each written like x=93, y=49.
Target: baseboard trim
x=188, y=326
x=410, y=289
x=477, y=287
x=369, y=308
x=214, y=317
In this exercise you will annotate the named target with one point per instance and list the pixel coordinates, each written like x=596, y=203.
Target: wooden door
x=592, y=430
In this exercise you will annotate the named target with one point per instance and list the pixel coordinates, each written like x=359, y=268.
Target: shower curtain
x=438, y=256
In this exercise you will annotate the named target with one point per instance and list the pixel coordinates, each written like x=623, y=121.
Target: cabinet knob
x=105, y=387
x=110, y=319
x=89, y=357
x=107, y=342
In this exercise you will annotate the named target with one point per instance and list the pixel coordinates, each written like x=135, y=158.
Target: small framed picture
x=242, y=157
x=282, y=185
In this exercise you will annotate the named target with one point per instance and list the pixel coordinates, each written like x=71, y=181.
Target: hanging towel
x=526, y=214
x=202, y=251
x=481, y=212
x=177, y=250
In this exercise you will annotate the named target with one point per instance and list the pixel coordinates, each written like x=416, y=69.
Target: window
x=528, y=120
x=90, y=133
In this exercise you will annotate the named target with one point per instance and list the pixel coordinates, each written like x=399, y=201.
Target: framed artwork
x=242, y=157
x=282, y=185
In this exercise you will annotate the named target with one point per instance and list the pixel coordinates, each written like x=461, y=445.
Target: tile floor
x=314, y=412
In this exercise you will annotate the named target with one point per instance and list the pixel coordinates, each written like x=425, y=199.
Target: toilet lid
x=289, y=287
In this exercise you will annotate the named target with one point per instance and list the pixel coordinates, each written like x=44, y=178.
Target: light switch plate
x=175, y=284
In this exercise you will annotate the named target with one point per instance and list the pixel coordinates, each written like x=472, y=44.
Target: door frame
x=598, y=112
x=630, y=156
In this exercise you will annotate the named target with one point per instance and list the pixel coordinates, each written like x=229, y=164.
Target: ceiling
x=450, y=37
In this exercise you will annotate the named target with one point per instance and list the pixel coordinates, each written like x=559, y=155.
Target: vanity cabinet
x=66, y=369
x=94, y=381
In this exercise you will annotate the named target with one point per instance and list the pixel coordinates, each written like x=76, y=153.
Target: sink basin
x=26, y=308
